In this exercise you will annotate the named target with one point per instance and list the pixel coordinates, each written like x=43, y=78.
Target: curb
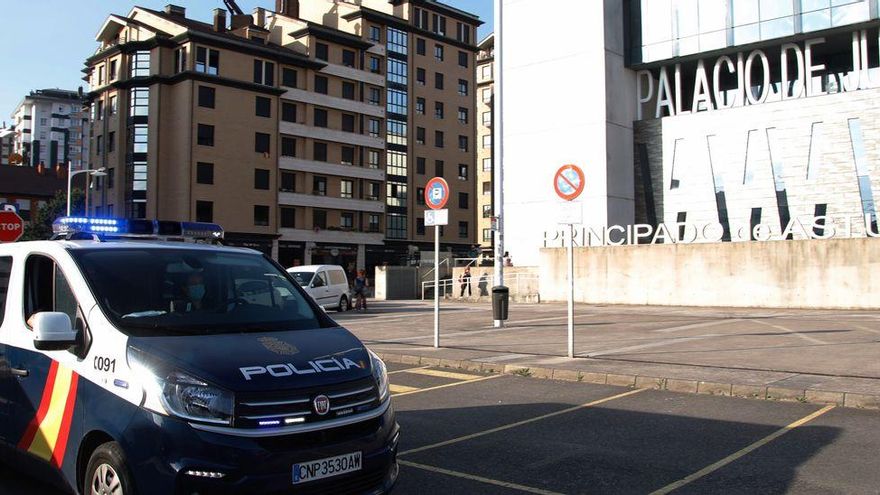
x=759, y=392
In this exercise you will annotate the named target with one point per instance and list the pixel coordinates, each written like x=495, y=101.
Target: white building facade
x=51, y=128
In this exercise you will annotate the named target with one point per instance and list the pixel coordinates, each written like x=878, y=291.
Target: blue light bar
x=137, y=228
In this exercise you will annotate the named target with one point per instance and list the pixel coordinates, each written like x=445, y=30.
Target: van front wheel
x=344, y=304
x=106, y=473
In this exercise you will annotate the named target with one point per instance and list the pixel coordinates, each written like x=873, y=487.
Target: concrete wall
x=521, y=280
x=838, y=273
x=396, y=282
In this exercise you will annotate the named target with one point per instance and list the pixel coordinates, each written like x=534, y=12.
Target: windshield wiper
x=145, y=314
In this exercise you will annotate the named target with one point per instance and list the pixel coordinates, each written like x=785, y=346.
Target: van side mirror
x=53, y=331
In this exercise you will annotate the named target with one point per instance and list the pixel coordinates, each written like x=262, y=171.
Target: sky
x=51, y=53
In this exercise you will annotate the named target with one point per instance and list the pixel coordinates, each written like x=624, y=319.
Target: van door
x=8, y=385
x=321, y=285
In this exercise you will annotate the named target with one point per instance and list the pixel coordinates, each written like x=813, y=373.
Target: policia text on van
x=152, y=367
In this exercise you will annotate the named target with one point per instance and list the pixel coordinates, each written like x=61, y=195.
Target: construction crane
x=233, y=7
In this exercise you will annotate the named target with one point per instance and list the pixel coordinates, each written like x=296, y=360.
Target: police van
x=133, y=363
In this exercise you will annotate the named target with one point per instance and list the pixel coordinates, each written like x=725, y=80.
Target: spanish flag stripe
x=64, y=434
x=32, y=427
x=45, y=441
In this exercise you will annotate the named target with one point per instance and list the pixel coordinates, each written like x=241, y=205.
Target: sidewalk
x=816, y=356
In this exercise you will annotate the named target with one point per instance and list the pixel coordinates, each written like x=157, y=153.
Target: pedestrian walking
x=483, y=286
x=465, y=280
x=360, y=291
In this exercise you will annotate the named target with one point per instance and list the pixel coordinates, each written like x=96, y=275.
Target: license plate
x=325, y=468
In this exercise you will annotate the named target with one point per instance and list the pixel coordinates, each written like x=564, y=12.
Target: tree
x=40, y=227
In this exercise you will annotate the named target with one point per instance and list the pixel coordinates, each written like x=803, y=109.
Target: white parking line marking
x=792, y=332
x=471, y=477
x=503, y=357
x=447, y=385
x=623, y=350
x=408, y=370
x=696, y=325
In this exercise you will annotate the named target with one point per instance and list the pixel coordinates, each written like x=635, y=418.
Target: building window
x=438, y=139
x=263, y=106
x=420, y=46
x=439, y=24
x=395, y=194
x=421, y=18
x=206, y=135
x=420, y=135
x=373, y=191
x=397, y=41
x=320, y=117
x=261, y=216
x=287, y=217
x=420, y=196
x=321, y=85
x=487, y=141
x=346, y=221
x=112, y=71
x=319, y=185
x=462, y=171
x=396, y=132
x=372, y=159
x=463, y=200
x=288, y=146
x=261, y=142
x=420, y=76
x=206, y=97
x=374, y=223
x=139, y=63
x=114, y=105
x=420, y=106
x=462, y=230
x=319, y=152
x=100, y=112
x=204, y=211
x=438, y=110
x=462, y=143
x=261, y=179
x=462, y=59
x=397, y=71
x=207, y=60
x=345, y=188
x=288, y=112
x=322, y=51
x=486, y=71
x=438, y=168
x=397, y=102
x=374, y=127
x=462, y=87
x=375, y=65
x=111, y=142
x=487, y=95
x=463, y=115
x=179, y=60
x=319, y=219
x=348, y=122
x=487, y=188
x=463, y=32
x=288, y=77
x=347, y=155
x=487, y=235
x=438, y=52
x=288, y=182
x=347, y=58
x=375, y=34
x=487, y=119
x=420, y=226
x=438, y=80
x=487, y=211
x=204, y=173
x=111, y=180
x=396, y=163
x=264, y=73
x=99, y=145
x=420, y=165
x=487, y=164
x=375, y=97
x=348, y=90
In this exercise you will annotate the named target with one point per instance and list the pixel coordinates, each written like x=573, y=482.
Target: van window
x=302, y=278
x=5, y=271
x=193, y=291
x=321, y=279
x=46, y=288
x=337, y=277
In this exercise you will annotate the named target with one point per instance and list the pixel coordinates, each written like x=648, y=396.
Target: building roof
x=487, y=41
x=446, y=9
x=331, y=34
x=55, y=93
x=26, y=181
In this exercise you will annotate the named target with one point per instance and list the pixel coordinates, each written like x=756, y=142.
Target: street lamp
x=98, y=172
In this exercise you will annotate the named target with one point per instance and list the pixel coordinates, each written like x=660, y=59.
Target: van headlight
x=380, y=373
x=182, y=395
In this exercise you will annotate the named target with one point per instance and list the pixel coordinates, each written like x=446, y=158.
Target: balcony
x=332, y=236
x=334, y=102
x=328, y=202
x=347, y=72
x=325, y=168
x=324, y=134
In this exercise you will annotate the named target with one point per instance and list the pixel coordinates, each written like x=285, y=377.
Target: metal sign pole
x=436, y=286
x=571, y=290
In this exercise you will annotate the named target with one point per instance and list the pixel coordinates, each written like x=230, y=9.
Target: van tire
x=344, y=304
x=109, y=458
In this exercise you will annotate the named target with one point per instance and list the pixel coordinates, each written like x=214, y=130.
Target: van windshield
x=148, y=292
x=302, y=278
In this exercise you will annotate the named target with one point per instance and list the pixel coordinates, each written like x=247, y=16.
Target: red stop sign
x=11, y=226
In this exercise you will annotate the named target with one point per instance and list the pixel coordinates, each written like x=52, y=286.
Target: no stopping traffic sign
x=569, y=182
x=436, y=193
x=11, y=226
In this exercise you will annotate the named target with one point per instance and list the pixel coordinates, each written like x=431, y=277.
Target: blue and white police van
x=133, y=363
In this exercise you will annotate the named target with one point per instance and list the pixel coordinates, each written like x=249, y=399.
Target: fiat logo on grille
x=321, y=405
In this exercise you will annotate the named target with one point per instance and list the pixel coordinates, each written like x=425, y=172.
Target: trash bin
x=500, y=301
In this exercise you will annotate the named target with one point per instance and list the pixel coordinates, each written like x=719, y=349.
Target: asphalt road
x=491, y=434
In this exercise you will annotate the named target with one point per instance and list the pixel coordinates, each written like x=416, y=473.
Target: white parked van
x=327, y=284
